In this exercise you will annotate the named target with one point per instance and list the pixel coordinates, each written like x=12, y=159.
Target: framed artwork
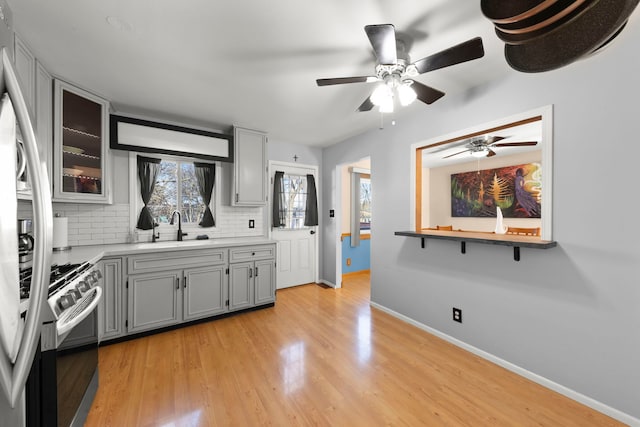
x=517, y=190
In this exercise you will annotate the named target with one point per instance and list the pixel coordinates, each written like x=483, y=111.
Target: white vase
x=500, y=227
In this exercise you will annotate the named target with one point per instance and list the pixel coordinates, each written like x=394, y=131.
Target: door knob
x=312, y=232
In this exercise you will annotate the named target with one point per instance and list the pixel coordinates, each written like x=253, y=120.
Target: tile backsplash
x=93, y=224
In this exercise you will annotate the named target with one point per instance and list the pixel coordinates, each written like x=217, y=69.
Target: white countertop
x=95, y=253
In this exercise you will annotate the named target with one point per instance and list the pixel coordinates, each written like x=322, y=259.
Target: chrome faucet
x=180, y=233
x=154, y=237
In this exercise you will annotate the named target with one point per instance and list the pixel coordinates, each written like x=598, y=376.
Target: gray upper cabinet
x=81, y=171
x=35, y=83
x=250, y=168
x=25, y=63
x=44, y=114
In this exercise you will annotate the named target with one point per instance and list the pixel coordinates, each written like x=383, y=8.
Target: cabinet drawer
x=251, y=253
x=150, y=262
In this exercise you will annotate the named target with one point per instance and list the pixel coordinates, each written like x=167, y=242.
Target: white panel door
x=296, y=259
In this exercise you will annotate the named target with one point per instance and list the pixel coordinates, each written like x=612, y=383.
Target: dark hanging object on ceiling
x=543, y=35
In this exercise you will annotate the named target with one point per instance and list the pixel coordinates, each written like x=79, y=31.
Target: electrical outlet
x=348, y=261
x=457, y=315
x=252, y=223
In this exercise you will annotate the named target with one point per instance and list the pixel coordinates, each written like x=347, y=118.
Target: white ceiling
x=249, y=63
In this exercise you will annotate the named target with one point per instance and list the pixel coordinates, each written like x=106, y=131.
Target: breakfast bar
x=490, y=238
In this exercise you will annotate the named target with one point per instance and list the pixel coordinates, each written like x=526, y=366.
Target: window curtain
x=148, y=169
x=311, y=209
x=278, y=212
x=206, y=176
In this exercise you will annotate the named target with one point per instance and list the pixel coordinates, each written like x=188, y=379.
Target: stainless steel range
x=64, y=375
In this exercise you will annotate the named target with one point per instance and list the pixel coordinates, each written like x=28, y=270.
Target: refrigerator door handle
x=14, y=375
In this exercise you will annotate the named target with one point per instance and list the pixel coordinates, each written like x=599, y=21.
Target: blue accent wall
x=360, y=256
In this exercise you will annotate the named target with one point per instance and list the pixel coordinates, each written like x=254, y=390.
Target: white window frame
x=167, y=231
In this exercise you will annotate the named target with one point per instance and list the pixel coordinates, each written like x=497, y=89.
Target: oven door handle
x=70, y=318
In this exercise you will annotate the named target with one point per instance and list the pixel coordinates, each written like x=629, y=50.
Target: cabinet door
x=250, y=168
x=264, y=274
x=153, y=300
x=25, y=69
x=44, y=114
x=110, y=309
x=81, y=166
x=205, y=292
x=240, y=285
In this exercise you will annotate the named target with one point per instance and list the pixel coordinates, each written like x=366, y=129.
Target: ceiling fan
x=396, y=73
x=481, y=146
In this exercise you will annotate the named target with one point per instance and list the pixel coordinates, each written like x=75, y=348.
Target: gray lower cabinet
x=173, y=287
x=241, y=286
x=153, y=300
x=265, y=282
x=252, y=278
x=110, y=316
x=147, y=291
x=205, y=291
x=169, y=297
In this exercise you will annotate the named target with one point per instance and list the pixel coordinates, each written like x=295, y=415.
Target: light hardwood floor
x=320, y=357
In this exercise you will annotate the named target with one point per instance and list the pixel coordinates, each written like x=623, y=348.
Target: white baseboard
x=571, y=394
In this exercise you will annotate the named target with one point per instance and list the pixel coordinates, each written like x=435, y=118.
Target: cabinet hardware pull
x=185, y=282
x=250, y=272
x=177, y=283
x=256, y=272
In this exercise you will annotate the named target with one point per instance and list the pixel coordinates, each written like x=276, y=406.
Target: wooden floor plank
x=320, y=357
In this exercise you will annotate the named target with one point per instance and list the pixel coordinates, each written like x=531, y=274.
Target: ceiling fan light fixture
x=479, y=153
x=387, y=105
x=383, y=94
x=406, y=94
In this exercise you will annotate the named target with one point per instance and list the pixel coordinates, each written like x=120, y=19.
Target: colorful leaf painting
x=517, y=190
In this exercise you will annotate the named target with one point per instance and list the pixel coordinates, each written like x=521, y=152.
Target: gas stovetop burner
x=59, y=275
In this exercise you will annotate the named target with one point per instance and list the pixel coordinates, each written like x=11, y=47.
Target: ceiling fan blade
x=383, y=40
x=343, y=80
x=426, y=94
x=515, y=144
x=490, y=152
x=463, y=52
x=451, y=155
x=493, y=139
x=367, y=105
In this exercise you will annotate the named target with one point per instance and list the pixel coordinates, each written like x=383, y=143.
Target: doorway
x=354, y=218
x=297, y=254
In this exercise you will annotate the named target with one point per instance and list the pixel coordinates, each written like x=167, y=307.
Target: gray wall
x=569, y=314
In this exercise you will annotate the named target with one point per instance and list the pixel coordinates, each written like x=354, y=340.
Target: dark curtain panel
x=311, y=210
x=147, y=173
x=206, y=176
x=279, y=204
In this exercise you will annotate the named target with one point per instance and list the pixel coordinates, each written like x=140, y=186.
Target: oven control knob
x=76, y=294
x=83, y=286
x=65, y=301
x=90, y=280
x=71, y=295
x=97, y=274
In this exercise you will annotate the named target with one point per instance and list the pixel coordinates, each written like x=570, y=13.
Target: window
x=365, y=202
x=295, y=200
x=176, y=189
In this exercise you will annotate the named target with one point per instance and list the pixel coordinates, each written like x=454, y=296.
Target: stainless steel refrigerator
x=19, y=329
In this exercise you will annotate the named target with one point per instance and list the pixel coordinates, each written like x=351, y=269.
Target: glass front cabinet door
x=81, y=166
